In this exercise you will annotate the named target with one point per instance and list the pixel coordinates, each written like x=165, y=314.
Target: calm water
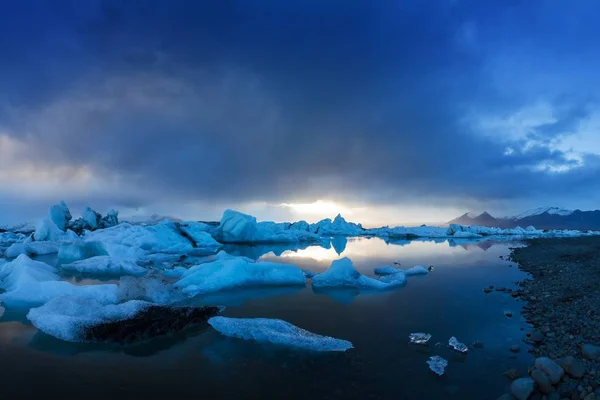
x=200, y=363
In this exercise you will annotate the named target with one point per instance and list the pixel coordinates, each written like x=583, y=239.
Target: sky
x=386, y=111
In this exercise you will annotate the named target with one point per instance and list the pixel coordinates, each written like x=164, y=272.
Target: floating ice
x=278, y=332
x=79, y=250
x=67, y=318
x=419, y=338
x=199, y=232
x=105, y=265
x=458, y=346
x=437, y=364
x=416, y=270
x=338, y=227
x=236, y=227
x=396, y=279
x=60, y=215
x=46, y=230
x=164, y=237
x=341, y=274
x=226, y=272
x=28, y=283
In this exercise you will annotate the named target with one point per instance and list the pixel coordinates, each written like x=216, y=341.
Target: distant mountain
x=541, y=218
x=542, y=210
x=483, y=219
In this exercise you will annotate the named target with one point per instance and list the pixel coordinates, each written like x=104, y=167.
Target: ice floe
x=236, y=227
x=458, y=346
x=339, y=226
x=226, y=272
x=341, y=274
x=419, y=338
x=28, y=283
x=437, y=364
x=164, y=237
x=278, y=332
x=76, y=319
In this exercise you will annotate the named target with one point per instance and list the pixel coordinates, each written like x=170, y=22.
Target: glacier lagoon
x=449, y=301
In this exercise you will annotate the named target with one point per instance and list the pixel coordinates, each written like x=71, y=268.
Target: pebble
x=590, y=351
x=573, y=367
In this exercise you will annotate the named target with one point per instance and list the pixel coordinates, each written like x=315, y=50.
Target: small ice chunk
x=278, y=332
x=458, y=346
x=416, y=270
x=419, y=337
x=437, y=364
x=388, y=270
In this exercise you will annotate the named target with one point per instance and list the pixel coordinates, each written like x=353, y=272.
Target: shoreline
x=562, y=304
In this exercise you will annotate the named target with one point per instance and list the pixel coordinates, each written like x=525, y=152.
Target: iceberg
x=236, y=227
x=199, y=233
x=105, y=265
x=338, y=227
x=79, y=250
x=341, y=274
x=31, y=249
x=164, y=237
x=28, y=283
x=67, y=318
x=60, y=215
x=92, y=218
x=419, y=338
x=278, y=332
x=87, y=320
x=225, y=272
x=46, y=230
x=437, y=364
x=458, y=346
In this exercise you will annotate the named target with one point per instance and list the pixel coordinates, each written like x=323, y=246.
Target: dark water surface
x=200, y=363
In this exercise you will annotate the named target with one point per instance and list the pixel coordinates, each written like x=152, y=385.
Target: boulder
x=542, y=380
x=522, y=388
x=550, y=368
x=573, y=367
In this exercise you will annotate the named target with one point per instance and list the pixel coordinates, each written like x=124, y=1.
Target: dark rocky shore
x=562, y=303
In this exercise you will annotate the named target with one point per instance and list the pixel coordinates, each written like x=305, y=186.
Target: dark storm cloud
x=272, y=100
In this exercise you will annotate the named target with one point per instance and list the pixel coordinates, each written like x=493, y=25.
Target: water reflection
x=339, y=244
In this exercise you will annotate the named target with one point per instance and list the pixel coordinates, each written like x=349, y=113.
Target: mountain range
x=541, y=218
